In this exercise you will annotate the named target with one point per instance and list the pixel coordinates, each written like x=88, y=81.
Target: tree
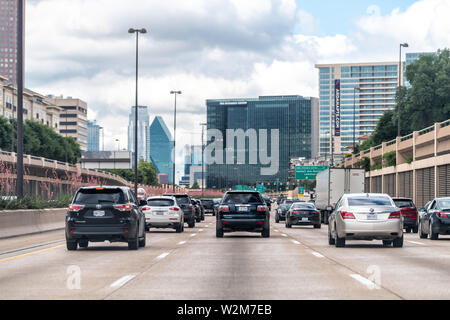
x=195, y=185
x=146, y=173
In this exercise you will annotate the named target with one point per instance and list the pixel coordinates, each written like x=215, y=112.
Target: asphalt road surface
x=292, y=264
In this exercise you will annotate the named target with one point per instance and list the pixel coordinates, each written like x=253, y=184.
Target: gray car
x=366, y=216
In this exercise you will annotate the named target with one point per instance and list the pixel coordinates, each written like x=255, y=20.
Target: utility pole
x=203, y=159
x=20, y=86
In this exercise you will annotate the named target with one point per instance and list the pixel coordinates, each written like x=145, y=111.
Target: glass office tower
x=291, y=115
x=161, y=147
x=378, y=85
x=93, y=138
x=143, y=133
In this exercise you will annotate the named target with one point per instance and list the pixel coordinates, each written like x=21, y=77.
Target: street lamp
x=203, y=159
x=136, y=31
x=399, y=85
x=174, y=134
x=103, y=138
x=354, y=116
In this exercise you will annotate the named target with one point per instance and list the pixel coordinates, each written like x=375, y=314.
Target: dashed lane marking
x=122, y=281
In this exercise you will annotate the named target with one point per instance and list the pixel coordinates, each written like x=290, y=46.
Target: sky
x=210, y=49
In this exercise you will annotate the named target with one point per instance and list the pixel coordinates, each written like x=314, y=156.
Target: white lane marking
x=369, y=284
x=318, y=255
x=416, y=242
x=200, y=230
x=277, y=230
x=295, y=242
x=284, y=235
x=193, y=235
x=181, y=242
x=162, y=255
x=122, y=281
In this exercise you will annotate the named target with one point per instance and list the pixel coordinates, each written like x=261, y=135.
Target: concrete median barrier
x=22, y=222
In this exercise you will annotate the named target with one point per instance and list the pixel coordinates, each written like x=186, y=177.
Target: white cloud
x=208, y=49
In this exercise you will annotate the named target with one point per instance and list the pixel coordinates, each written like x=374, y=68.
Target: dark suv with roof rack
x=98, y=214
x=243, y=211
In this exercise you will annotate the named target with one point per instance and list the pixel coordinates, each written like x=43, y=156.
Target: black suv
x=243, y=211
x=185, y=203
x=98, y=214
x=208, y=204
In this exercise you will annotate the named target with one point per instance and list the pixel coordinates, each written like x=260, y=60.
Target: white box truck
x=332, y=184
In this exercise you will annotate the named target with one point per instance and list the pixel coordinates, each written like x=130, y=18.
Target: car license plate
x=99, y=213
x=159, y=213
x=372, y=217
x=305, y=219
x=242, y=209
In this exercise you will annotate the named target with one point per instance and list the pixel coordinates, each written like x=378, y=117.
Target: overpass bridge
x=422, y=165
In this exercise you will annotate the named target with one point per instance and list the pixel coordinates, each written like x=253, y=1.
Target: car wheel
x=415, y=229
x=331, y=240
x=83, y=244
x=398, y=242
x=219, y=232
x=133, y=244
x=191, y=223
x=143, y=241
x=433, y=236
x=71, y=245
x=340, y=242
x=387, y=243
x=288, y=225
x=317, y=226
x=266, y=233
x=408, y=230
x=179, y=228
x=277, y=219
x=421, y=234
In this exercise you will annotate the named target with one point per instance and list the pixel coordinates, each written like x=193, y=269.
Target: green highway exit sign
x=260, y=188
x=301, y=191
x=308, y=172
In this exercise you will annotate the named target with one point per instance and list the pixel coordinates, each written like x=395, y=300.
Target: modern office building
x=359, y=109
x=143, y=133
x=192, y=164
x=73, y=118
x=290, y=116
x=8, y=39
x=161, y=148
x=93, y=136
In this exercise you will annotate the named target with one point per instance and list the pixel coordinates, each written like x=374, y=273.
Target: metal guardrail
x=378, y=147
x=408, y=137
x=366, y=151
x=445, y=123
x=390, y=143
x=426, y=130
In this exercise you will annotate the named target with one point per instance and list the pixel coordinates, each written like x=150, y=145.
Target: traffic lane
x=30, y=241
x=244, y=266
x=421, y=263
x=52, y=274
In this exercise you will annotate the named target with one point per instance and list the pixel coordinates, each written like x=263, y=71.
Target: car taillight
x=75, y=207
x=146, y=208
x=224, y=209
x=123, y=207
x=175, y=209
x=395, y=215
x=443, y=214
x=347, y=215
x=295, y=212
x=315, y=212
x=261, y=208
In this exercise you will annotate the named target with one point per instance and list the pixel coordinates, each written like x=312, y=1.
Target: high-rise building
x=8, y=39
x=161, y=147
x=143, y=133
x=93, y=136
x=73, y=119
x=377, y=83
x=290, y=116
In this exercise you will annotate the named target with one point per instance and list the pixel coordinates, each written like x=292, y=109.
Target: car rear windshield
x=160, y=202
x=242, y=198
x=208, y=202
x=182, y=199
x=404, y=203
x=444, y=204
x=303, y=206
x=94, y=196
x=285, y=206
x=369, y=201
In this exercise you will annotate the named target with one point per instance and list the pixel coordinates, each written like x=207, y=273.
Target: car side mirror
x=422, y=209
x=330, y=208
x=142, y=203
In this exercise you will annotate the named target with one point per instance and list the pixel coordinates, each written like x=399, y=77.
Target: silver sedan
x=366, y=216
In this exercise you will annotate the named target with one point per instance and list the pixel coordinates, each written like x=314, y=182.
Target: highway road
x=292, y=264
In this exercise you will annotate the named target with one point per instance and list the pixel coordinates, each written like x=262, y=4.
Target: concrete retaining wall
x=23, y=222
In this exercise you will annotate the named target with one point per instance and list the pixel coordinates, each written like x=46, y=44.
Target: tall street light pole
x=400, y=85
x=136, y=31
x=203, y=159
x=20, y=85
x=354, y=117
x=174, y=136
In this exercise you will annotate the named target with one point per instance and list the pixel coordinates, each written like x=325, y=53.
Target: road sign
x=260, y=188
x=301, y=191
x=240, y=187
x=308, y=172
